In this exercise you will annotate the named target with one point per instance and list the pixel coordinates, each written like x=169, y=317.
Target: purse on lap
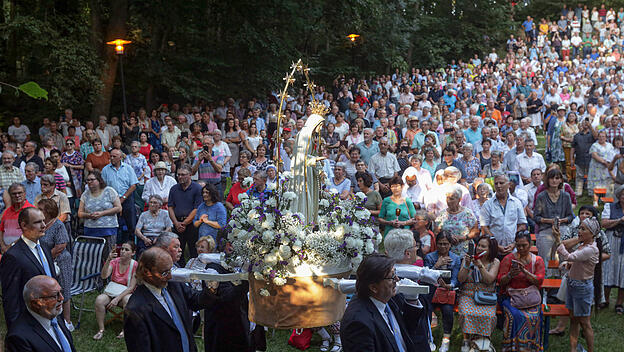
x=523, y=298
x=114, y=289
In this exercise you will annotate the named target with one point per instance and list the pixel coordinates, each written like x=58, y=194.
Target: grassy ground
x=608, y=327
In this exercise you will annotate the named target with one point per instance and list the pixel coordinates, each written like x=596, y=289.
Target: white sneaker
x=432, y=346
x=465, y=347
x=446, y=344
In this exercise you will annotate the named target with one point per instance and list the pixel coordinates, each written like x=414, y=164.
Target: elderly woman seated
x=152, y=223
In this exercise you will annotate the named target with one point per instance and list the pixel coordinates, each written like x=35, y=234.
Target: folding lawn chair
x=87, y=264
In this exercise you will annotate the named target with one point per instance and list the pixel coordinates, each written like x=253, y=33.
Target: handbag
x=301, y=338
x=443, y=296
x=114, y=289
x=527, y=297
x=483, y=298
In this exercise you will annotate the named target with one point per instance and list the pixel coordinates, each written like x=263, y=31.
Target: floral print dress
x=457, y=225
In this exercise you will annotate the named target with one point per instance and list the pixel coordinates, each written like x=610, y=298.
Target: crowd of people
x=448, y=162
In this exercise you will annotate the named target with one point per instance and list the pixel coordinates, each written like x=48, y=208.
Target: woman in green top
x=396, y=210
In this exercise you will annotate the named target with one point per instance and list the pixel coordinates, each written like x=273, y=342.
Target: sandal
x=619, y=310
x=337, y=347
x=121, y=335
x=324, y=346
x=556, y=332
x=99, y=335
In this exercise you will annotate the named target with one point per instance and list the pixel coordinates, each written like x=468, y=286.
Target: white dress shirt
x=157, y=292
x=526, y=163
x=32, y=246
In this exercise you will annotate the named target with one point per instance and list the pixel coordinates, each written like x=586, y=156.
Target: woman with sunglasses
x=74, y=161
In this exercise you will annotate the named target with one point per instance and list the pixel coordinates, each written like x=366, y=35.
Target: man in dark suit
x=41, y=326
x=376, y=318
x=158, y=315
x=23, y=261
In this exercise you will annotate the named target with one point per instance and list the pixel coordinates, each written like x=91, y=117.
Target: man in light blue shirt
x=122, y=178
x=502, y=216
x=32, y=184
x=473, y=134
x=369, y=147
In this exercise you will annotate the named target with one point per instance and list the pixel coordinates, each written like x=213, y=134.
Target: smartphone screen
x=471, y=248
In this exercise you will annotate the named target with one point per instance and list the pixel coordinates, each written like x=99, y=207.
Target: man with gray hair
x=384, y=166
x=368, y=147
x=401, y=246
x=209, y=165
x=184, y=198
x=32, y=184
x=38, y=328
x=170, y=242
x=502, y=216
x=9, y=174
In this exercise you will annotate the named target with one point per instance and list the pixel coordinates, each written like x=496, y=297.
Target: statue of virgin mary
x=305, y=175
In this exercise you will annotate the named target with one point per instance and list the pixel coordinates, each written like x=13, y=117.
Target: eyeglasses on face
x=394, y=277
x=57, y=296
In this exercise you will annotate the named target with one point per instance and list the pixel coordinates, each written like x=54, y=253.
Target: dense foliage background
x=191, y=49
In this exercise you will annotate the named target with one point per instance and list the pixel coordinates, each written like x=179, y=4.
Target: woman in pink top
x=580, y=295
x=121, y=270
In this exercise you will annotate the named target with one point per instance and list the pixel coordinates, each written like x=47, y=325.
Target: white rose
x=242, y=196
x=267, y=224
x=290, y=195
x=279, y=281
x=359, y=243
x=351, y=242
x=270, y=259
x=272, y=202
x=268, y=237
x=369, y=247
x=339, y=233
x=361, y=195
x=264, y=292
x=271, y=186
x=284, y=251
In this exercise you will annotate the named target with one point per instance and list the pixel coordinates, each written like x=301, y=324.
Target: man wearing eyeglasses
x=23, y=261
x=158, y=315
x=39, y=327
x=377, y=319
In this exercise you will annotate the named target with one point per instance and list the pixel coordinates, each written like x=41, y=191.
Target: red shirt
x=520, y=281
x=234, y=192
x=9, y=225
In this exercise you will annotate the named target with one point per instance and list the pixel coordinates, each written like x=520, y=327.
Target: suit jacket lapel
x=37, y=328
x=157, y=308
x=27, y=252
x=380, y=322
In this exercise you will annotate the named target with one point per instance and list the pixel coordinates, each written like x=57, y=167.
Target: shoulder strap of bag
x=130, y=271
x=408, y=211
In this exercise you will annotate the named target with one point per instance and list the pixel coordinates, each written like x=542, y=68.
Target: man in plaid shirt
x=9, y=174
x=614, y=130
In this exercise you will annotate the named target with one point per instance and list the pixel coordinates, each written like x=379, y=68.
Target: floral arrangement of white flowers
x=271, y=242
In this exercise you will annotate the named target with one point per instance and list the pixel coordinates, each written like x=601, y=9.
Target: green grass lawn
x=608, y=327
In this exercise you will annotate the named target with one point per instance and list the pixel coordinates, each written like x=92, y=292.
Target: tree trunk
x=115, y=29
